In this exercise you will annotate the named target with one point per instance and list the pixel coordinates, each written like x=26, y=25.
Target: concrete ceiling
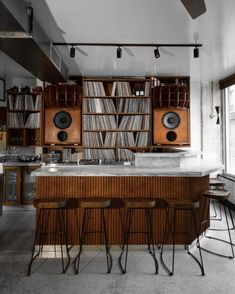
x=141, y=21
x=10, y=69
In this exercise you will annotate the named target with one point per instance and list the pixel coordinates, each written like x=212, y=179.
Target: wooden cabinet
x=24, y=118
x=19, y=185
x=171, y=111
x=12, y=185
x=62, y=115
x=116, y=118
x=28, y=184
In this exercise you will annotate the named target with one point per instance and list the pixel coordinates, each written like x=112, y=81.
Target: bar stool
x=132, y=205
x=46, y=208
x=217, y=185
x=89, y=205
x=222, y=197
x=72, y=208
x=176, y=205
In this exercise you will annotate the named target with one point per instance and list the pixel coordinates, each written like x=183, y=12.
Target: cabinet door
x=12, y=185
x=28, y=184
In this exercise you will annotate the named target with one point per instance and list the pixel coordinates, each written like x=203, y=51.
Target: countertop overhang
x=17, y=163
x=198, y=169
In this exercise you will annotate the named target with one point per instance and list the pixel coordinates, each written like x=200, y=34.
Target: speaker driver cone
x=62, y=120
x=62, y=136
x=171, y=136
x=171, y=120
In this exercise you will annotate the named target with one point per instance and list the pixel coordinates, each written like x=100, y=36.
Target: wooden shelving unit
x=116, y=117
x=24, y=118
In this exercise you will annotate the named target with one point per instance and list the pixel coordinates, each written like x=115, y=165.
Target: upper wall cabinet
x=62, y=115
x=24, y=116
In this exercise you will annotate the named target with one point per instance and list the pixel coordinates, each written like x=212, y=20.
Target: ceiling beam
x=26, y=43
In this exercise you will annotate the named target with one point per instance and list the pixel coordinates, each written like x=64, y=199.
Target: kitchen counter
x=19, y=163
x=121, y=181
x=200, y=168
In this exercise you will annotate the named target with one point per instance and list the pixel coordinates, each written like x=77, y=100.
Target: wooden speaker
x=171, y=126
x=62, y=126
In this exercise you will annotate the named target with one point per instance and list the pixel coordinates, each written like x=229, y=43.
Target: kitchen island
x=119, y=181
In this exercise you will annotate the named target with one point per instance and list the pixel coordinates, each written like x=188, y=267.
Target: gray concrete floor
x=16, y=239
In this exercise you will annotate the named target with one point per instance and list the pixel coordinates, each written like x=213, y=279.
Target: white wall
x=205, y=133
x=195, y=115
x=211, y=132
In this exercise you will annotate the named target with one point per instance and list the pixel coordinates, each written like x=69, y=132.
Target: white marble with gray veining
x=198, y=169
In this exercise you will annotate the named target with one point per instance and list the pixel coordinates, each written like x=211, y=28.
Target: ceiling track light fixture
x=196, y=52
x=72, y=51
x=30, y=18
x=156, y=53
x=119, y=52
x=119, y=49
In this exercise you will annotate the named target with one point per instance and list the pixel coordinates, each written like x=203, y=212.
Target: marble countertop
x=181, y=153
x=18, y=163
x=199, y=169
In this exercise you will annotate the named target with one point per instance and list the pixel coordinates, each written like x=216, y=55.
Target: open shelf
x=116, y=117
x=24, y=118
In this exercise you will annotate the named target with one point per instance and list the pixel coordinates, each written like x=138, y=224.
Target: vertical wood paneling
x=117, y=188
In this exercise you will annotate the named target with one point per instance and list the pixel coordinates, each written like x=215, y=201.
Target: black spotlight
x=217, y=109
x=196, y=52
x=156, y=53
x=72, y=52
x=119, y=52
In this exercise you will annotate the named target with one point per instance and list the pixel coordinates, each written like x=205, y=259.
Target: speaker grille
x=171, y=136
x=62, y=126
x=171, y=120
x=62, y=120
x=171, y=126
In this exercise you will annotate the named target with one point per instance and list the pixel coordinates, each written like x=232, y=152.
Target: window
x=230, y=130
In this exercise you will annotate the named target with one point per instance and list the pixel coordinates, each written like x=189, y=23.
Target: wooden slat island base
x=61, y=185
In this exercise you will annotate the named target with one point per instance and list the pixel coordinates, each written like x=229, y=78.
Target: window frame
x=226, y=156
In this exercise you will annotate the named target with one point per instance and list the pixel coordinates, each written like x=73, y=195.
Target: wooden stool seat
x=50, y=204
x=139, y=202
x=217, y=194
x=178, y=203
x=216, y=183
x=95, y=203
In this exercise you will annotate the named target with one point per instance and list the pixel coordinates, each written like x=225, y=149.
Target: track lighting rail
x=128, y=44
x=120, y=45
